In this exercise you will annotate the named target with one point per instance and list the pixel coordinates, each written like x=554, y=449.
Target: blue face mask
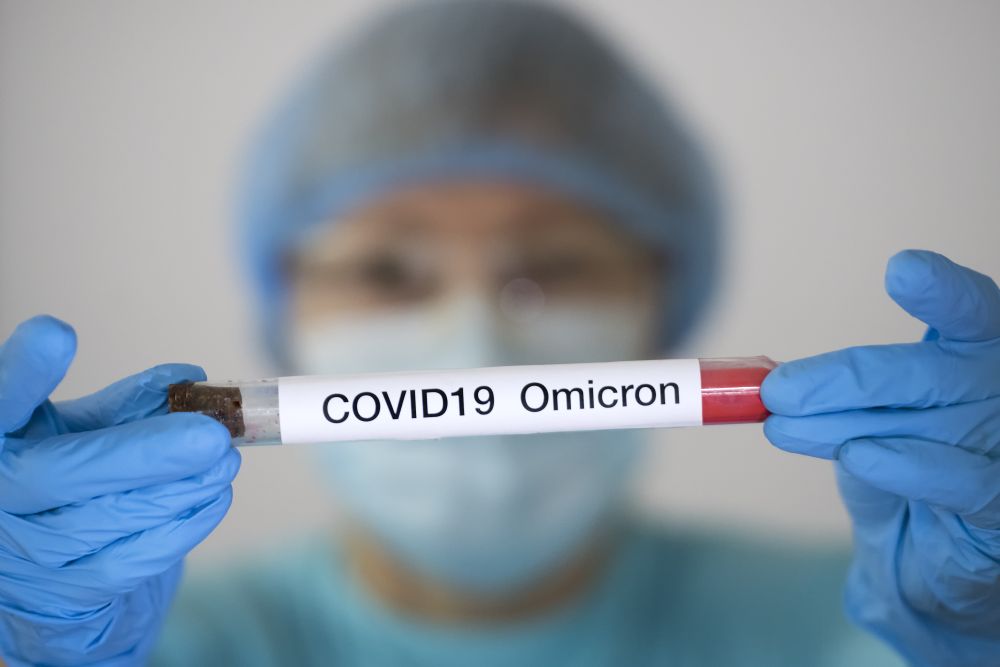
x=485, y=514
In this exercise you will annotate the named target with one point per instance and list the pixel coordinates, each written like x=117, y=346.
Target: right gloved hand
x=100, y=499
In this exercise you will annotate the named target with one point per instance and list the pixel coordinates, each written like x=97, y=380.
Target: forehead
x=474, y=211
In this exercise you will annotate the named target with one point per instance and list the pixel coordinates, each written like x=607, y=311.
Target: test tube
x=482, y=401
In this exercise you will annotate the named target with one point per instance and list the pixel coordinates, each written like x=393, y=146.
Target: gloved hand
x=99, y=502
x=915, y=429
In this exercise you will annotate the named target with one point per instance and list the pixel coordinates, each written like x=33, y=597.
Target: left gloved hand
x=915, y=429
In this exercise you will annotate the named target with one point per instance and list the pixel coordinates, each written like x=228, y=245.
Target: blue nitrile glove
x=98, y=504
x=916, y=431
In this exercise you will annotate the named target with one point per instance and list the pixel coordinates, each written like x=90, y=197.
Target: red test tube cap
x=730, y=389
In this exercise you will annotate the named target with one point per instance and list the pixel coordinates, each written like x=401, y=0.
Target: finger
x=135, y=397
x=870, y=508
x=33, y=361
x=910, y=375
x=961, y=304
x=973, y=426
x=52, y=539
x=126, y=563
x=74, y=467
x=951, y=478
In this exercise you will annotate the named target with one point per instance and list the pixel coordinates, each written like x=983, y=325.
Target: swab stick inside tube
x=482, y=401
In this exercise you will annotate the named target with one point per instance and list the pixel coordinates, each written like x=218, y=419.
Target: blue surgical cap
x=484, y=90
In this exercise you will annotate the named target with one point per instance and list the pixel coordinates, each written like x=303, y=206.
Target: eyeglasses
x=414, y=271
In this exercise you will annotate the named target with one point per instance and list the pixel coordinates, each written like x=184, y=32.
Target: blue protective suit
x=666, y=599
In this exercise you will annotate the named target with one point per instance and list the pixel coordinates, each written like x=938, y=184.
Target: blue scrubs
x=667, y=598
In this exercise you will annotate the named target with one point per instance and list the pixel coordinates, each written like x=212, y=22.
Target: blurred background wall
x=844, y=131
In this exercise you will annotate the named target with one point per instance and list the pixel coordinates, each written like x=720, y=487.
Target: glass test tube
x=510, y=399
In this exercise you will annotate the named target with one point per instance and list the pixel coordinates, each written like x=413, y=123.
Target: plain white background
x=844, y=131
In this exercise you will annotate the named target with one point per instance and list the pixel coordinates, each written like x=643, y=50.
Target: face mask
x=485, y=514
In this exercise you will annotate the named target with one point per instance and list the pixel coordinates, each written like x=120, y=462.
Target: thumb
x=135, y=397
x=959, y=303
x=33, y=361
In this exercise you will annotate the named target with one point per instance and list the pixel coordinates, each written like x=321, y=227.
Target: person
x=483, y=183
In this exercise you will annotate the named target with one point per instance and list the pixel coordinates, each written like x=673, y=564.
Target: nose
x=470, y=325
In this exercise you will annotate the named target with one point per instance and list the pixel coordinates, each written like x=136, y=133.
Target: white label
x=484, y=401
